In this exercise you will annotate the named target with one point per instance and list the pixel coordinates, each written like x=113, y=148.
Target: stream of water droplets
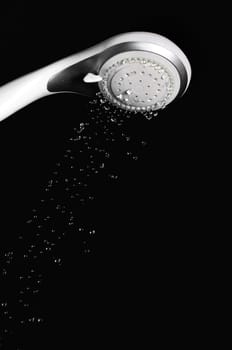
x=65, y=210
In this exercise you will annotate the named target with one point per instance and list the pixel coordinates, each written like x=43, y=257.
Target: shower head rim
x=147, y=48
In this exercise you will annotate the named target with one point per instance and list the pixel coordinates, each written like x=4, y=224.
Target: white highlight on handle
x=21, y=92
x=92, y=78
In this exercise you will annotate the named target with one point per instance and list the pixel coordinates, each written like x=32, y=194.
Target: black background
x=156, y=209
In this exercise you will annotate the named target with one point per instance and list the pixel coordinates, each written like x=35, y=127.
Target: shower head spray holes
x=139, y=81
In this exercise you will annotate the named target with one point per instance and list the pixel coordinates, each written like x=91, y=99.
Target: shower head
x=135, y=71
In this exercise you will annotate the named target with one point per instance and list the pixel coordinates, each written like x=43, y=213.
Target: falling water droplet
x=113, y=176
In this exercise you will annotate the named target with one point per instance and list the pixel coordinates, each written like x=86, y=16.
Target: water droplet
x=113, y=176
x=58, y=261
x=148, y=116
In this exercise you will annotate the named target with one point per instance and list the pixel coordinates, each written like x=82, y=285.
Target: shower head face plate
x=139, y=81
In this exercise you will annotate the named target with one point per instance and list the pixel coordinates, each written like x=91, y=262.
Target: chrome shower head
x=135, y=71
x=139, y=81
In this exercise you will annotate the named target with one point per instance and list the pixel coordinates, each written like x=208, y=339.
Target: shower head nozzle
x=136, y=71
x=139, y=81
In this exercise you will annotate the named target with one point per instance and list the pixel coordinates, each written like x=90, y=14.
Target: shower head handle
x=33, y=86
